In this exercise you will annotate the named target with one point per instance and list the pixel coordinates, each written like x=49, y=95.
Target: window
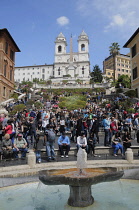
x=5, y=68
x=118, y=69
x=119, y=75
x=6, y=47
x=109, y=73
x=4, y=91
x=83, y=70
x=135, y=73
x=127, y=71
x=82, y=47
x=123, y=70
x=43, y=70
x=38, y=73
x=133, y=50
x=53, y=73
x=59, y=49
x=11, y=73
x=59, y=71
x=43, y=77
x=12, y=55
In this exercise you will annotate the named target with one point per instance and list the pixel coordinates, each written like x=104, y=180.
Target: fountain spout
x=81, y=159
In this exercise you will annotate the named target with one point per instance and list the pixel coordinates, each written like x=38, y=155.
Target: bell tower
x=83, y=46
x=60, y=47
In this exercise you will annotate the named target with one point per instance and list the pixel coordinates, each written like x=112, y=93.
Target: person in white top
x=82, y=142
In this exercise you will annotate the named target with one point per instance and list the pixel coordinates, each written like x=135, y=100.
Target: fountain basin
x=80, y=184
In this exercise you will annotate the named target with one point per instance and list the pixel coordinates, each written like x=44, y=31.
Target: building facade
x=133, y=44
x=67, y=66
x=122, y=66
x=8, y=47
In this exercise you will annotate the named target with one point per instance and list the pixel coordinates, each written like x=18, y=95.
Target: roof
x=83, y=36
x=131, y=38
x=61, y=35
x=34, y=66
x=109, y=57
x=83, y=33
x=7, y=32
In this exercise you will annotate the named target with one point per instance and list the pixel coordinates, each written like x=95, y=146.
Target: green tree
x=124, y=81
x=79, y=81
x=65, y=81
x=25, y=86
x=36, y=80
x=114, y=50
x=96, y=75
x=48, y=82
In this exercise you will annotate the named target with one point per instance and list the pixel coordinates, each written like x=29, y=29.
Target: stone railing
x=63, y=86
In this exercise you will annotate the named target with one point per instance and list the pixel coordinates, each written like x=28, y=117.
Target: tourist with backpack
x=49, y=138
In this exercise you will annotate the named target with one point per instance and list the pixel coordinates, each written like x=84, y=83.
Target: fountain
x=80, y=179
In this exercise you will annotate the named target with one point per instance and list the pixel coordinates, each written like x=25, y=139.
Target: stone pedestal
x=129, y=155
x=80, y=196
x=31, y=159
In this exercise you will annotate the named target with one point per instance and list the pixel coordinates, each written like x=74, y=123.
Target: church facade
x=70, y=66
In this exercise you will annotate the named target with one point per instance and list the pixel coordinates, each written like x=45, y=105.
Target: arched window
x=59, y=48
x=83, y=70
x=82, y=47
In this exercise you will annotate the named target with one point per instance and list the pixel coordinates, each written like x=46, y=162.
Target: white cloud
x=117, y=20
x=62, y=21
x=115, y=14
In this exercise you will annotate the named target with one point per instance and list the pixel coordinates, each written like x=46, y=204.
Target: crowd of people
x=20, y=132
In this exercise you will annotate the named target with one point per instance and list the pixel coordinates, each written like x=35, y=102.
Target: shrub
x=73, y=102
x=17, y=108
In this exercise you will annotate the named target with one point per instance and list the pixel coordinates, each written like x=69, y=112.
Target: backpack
x=51, y=136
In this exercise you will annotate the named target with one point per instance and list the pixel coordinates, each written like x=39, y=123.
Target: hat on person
x=20, y=134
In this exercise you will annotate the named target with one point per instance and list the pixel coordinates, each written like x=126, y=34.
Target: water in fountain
x=107, y=196
x=81, y=161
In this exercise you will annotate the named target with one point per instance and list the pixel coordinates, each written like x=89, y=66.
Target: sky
x=35, y=24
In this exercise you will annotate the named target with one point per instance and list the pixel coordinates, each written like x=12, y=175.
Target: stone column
x=129, y=155
x=80, y=196
x=31, y=159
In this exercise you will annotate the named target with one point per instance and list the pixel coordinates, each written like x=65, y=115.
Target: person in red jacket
x=8, y=128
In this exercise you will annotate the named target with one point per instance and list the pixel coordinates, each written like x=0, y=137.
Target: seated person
x=126, y=140
x=91, y=142
x=116, y=139
x=64, y=143
x=20, y=144
x=82, y=142
x=7, y=149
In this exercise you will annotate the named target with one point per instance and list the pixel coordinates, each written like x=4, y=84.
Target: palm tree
x=114, y=50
